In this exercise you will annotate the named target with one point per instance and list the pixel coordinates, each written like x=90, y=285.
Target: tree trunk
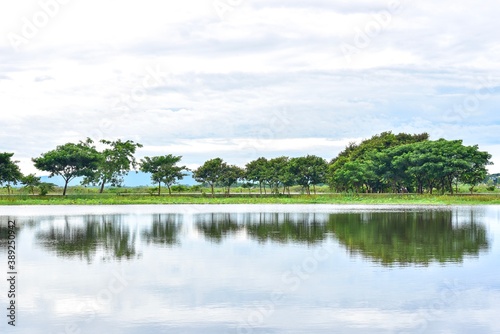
x=102, y=186
x=314, y=189
x=265, y=192
x=65, y=187
x=212, y=186
x=159, y=188
x=260, y=186
x=169, y=191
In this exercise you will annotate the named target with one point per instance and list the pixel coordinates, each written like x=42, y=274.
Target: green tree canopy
x=257, y=171
x=164, y=169
x=31, y=181
x=309, y=170
x=210, y=172
x=279, y=174
x=230, y=175
x=411, y=163
x=70, y=161
x=9, y=170
x=117, y=160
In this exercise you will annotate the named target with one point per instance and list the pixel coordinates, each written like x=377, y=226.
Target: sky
x=240, y=79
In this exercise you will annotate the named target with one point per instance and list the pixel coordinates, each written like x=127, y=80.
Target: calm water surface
x=254, y=269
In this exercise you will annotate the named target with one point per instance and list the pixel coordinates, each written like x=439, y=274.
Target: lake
x=253, y=269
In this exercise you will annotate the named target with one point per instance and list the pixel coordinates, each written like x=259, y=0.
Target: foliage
x=70, y=161
x=257, y=171
x=9, y=170
x=46, y=187
x=164, y=169
x=116, y=161
x=279, y=174
x=372, y=199
x=230, y=175
x=309, y=170
x=415, y=166
x=210, y=172
x=30, y=182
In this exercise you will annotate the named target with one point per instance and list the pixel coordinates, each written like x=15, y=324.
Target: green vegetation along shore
x=385, y=163
x=113, y=199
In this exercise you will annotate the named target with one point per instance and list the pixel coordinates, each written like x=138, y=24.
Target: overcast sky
x=241, y=79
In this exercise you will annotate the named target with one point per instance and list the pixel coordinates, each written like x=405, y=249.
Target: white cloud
x=269, y=69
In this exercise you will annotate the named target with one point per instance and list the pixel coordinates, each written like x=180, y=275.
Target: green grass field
x=114, y=199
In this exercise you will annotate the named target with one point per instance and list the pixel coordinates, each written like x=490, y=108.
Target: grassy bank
x=112, y=199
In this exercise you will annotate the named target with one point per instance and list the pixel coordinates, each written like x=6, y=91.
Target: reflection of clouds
x=194, y=285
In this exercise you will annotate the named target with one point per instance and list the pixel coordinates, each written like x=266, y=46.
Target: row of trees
x=403, y=162
x=70, y=160
x=383, y=163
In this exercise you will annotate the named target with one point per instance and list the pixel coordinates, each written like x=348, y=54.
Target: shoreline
x=382, y=199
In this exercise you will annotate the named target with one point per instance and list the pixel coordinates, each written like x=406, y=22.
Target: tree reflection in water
x=404, y=238
x=83, y=240
x=389, y=238
x=164, y=230
x=217, y=226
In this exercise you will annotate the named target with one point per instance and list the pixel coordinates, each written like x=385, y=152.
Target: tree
x=46, y=187
x=309, y=170
x=70, y=161
x=117, y=160
x=210, y=172
x=163, y=169
x=31, y=181
x=9, y=170
x=278, y=174
x=230, y=174
x=353, y=175
x=249, y=186
x=256, y=171
x=476, y=170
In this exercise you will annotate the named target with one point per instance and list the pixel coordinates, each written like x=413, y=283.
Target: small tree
x=9, y=170
x=257, y=171
x=163, y=169
x=70, y=161
x=30, y=182
x=46, y=187
x=116, y=162
x=230, y=174
x=309, y=170
x=248, y=185
x=210, y=172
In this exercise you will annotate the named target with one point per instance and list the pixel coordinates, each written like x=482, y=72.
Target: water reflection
x=409, y=237
x=287, y=228
x=82, y=240
x=388, y=238
x=186, y=272
x=164, y=230
x=400, y=238
x=217, y=226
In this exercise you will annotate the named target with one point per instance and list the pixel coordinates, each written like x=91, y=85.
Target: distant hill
x=132, y=179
